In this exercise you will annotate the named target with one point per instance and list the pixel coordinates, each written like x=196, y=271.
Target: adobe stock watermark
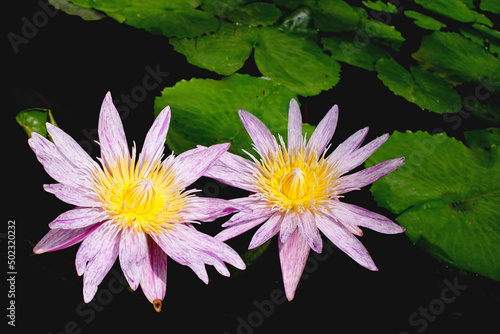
x=31, y=26
x=265, y=308
x=420, y=319
x=125, y=102
x=456, y=116
x=88, y=312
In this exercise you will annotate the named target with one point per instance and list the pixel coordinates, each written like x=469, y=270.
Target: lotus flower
x=135, y=209
x=296, y=190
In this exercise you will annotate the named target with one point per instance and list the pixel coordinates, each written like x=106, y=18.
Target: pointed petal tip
x=157, y=305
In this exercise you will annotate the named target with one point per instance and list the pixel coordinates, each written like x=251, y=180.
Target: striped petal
x=132, y=254
x=346, y=241
x=289, y=225
x=154, y=143
x=78, y=218
x=293, y=256
x=112, y=139
x=72, y=195
x=367, y=176
x=294, y=127
x=100, y=265
x=261, y=136
x=237, y=229
x=359, y=156
x=309, y=231
x=57, y=239
x=267, y=230
x=55, y=163
x=323, y=132
x=200, y=160
x=347, y=147
x=209, y=209
x=358, y=216
x=154, y=274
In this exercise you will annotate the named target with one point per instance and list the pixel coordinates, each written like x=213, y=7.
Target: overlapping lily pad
x=447, y=201
x=212, y=117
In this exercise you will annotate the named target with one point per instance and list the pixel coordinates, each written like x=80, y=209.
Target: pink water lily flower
x=295, y=191
x=135, y=209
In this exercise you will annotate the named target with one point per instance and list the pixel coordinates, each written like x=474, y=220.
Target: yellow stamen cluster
x=295, y=180
x=144, y=199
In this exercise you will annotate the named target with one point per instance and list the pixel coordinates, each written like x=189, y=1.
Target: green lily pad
x=333, y=15
x=33, y=120
x=381, y=6
x=223, y=52
x=252, y=14
x=424, y=21
x=457, y=58
x=454, y=9
x=446, y=199
x=420, y=86
x=354, y=52
x=490, y=6
x=295, y=62
x=288, y=59
x=212, y=117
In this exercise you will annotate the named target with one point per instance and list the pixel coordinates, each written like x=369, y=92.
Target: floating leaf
x=457, y=58
x=447, y=201
x=483, y=36
x=223, y=52
x=33, y=120
x=295, y=62
x=333, y=15
x=424, y=21
x=454, y=9
x=252, y=14
x=420, y=86
x=381, y=6
x=354, y=52
x=212, y=117
x=170, y=18
x=490, y=6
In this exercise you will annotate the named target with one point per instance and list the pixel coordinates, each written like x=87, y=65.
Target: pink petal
x=267, y=230
x=132, y=253
x=91, y=246
x=112, y=138
x=189, y=247
x=294, y=127
x=359, y=156
x=57, y=239
x=367, y=176
x=261, y=136
x=100, y=265
x=233, y=170
x=154, y=275
x=208, y=209
x=55, y=164
x=356, y=215
x=323, y=132
x=289, y=225
x=293, y=257
x=309, y=231
x=78, y=218
x=70, y=149
x=72, y=195
x=237, y=229
x=154, y=143
x=194, y=163
x=344, y=240
x=348, y=146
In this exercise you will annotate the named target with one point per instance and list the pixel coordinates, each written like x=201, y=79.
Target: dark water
x=68, y=65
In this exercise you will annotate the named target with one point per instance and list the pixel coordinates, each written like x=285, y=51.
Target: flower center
x=295, y=181
x=143, y=199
